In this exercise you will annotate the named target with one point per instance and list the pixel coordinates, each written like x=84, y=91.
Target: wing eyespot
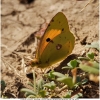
x=58, y=46
x=49, y=40
x=62, y=29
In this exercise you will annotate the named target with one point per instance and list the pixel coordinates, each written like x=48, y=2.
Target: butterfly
x=56, y=43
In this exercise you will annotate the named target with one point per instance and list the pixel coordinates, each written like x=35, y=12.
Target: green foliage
x=94, y=45
x=90, y=55
x=50, y=75
x=3, y=85
x=90, y=67
x=58, y=74
x=28, y=92
x=51, y=85
x=54, y=80
x=80, y=82
x=72, y=64
x=37, y=91
x=68, y=94
x=65, y=79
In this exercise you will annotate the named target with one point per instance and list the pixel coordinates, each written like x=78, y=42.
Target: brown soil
x=21, y=19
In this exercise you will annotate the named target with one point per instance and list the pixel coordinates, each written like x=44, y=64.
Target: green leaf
x=42, y=93
x=78, y=79
x=39, y=84
x=80, y=82
x=28, y=91
x=90, y=67
x=27, y=94
x=94, y=45
x=51, y=76
x=90, y=55
x=31, y=84
x=68, y=95
x=66, y=67
x=50, y=85
x=58, y=74
x=67, y=80
x=84, y=81
x=72, y=64
x=3, y=85
x=83, y=58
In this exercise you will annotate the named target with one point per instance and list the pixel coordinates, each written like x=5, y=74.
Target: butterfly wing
x=57, y=42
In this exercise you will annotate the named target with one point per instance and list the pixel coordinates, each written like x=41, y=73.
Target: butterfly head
x=34, y=62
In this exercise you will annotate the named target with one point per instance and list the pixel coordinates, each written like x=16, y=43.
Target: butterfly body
x=56, y=43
